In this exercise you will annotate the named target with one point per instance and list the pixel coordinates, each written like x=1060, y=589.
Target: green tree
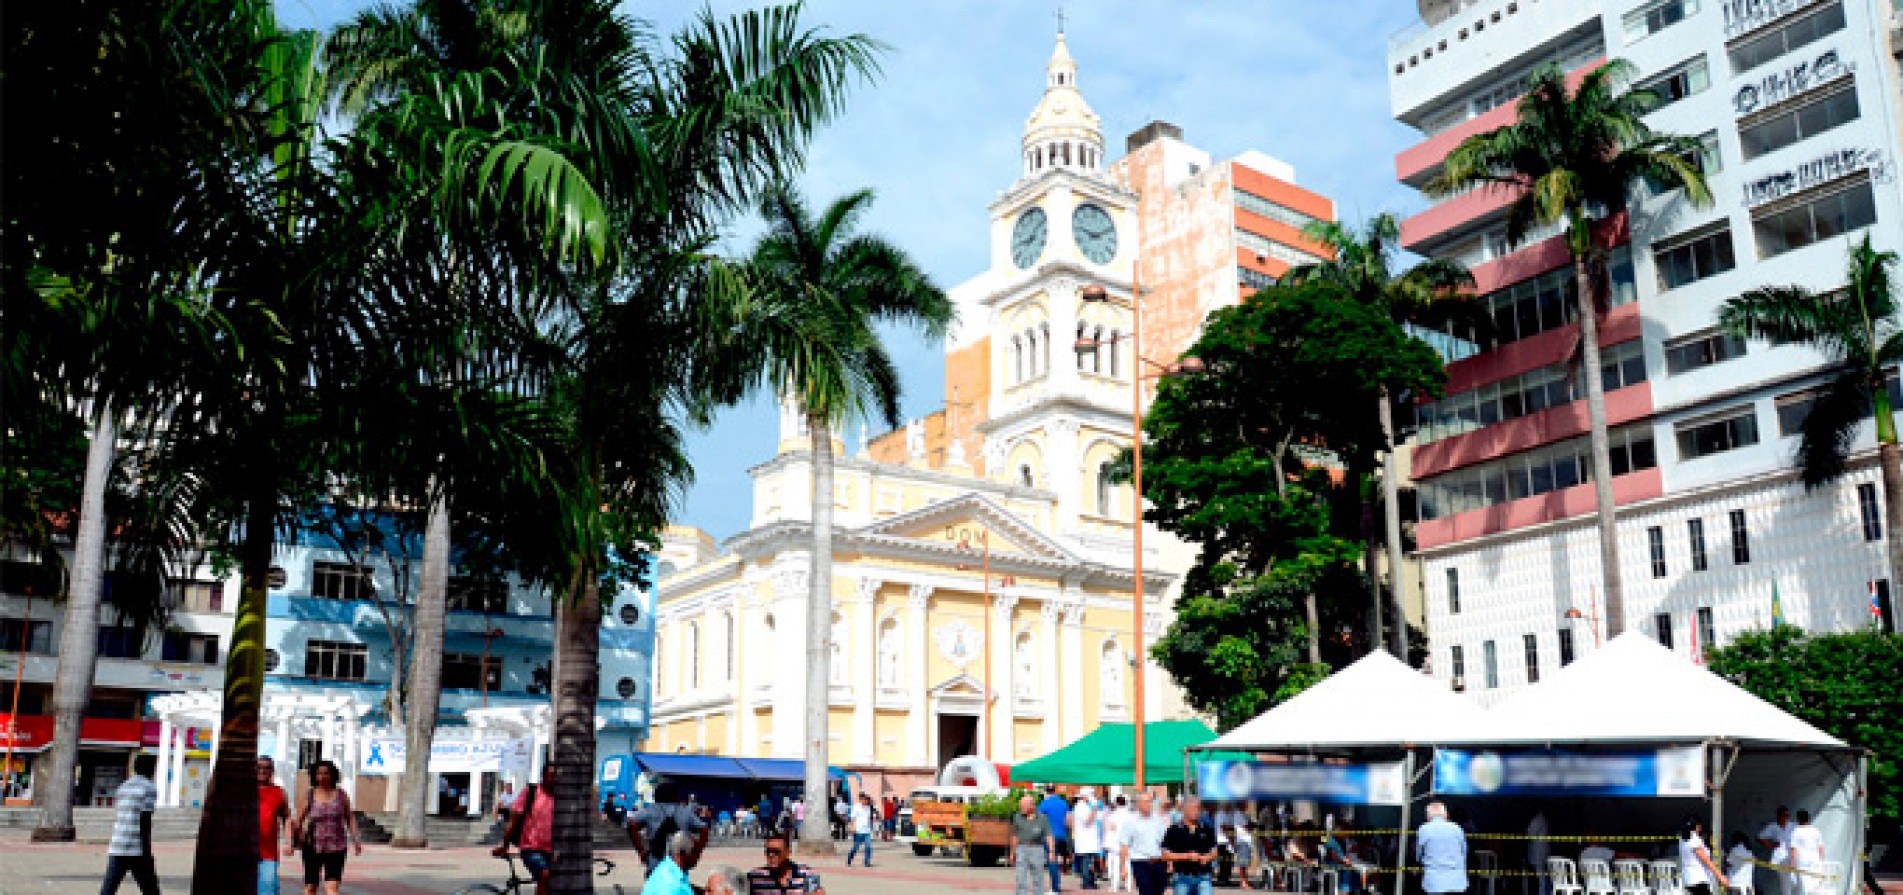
x=1426, y=294
x=1574, y=157
x=1857, y=333
x=828, y=286
x=1843, y=684
x=1234, y=464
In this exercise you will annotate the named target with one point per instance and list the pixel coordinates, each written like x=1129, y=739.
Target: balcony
x=1422, y=233
x=1626, y=405
x=1415, y=164
x=1552, y=506
x=1618, y=325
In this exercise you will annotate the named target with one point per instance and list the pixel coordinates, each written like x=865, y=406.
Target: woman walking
x=1695, y=867
x=325, y=829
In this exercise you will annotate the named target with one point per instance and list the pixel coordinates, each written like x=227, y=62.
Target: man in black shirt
x=1189, y=849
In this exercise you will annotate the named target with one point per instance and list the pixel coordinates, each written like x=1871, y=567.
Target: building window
x=186, y=595
x=1532, y=473
x=336, y=660
x=1871, y=511
x=1457, y=663
x=198, y=649
x=1489, y=655
x=1772, y=44
x=465, y=671
x=1655, y=538
x=29, y=579
x=1273, y=210
x=1704, y=438
x=1834, y=214
x=1654, y=17
x=1269, y=248
x=1253, y=279
x=117, y=642
x=1707, y=634
x=1565, y=647
x=1707, y=160
x=478, y=593
x=1740, y=539
x=1453, y=591
x=1688, y=79
x=1810, y=117
x=341, y=581
x=1794, y=408
x=1532, y=658
x=1545, y=302
x=1687, y=260
x=1662, y=623
x=23, y=636
x=1527, y=393
x=1106, y=492
x=1697, y=352
x=1695, y=529
x=1024, y=476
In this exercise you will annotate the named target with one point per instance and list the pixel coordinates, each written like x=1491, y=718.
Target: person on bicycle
x=532, y=828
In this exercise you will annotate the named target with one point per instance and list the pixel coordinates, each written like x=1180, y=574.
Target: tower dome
x=1062, y=133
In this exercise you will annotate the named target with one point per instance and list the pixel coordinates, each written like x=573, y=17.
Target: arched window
x=1017, y=360
x=1045, y=331
x=1106, y=492
x=1025, y=477
x=1082, y=328
x=1030, y=345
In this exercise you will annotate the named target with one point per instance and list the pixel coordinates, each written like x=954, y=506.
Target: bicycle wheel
x=479, y=889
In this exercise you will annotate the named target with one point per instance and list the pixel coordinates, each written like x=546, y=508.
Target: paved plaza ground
x=75, y=870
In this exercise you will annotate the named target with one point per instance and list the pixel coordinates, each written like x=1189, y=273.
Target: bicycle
x=518, y=884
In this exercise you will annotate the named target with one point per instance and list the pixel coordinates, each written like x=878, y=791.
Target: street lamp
x=1096, y=294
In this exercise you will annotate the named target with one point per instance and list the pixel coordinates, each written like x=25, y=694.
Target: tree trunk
x=1601, y=448
x=1314, y=628
x=1890, y=455
x=1369, y=565
x=816, y=836
x=571, y=769
x=1391, y=515
x=79, y=638
x=426, y=677
x=226, y=859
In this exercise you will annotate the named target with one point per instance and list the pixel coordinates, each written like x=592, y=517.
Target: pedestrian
x=1738, y=857
x=325, y=830
x=130, y=850
x=728, y=881
x=1244, y=844
x=862, y=821
x=1807, y=856
x=890, y=810
x=1695, y=868
x=1033, y=843
x=669, y=876
x=1086, y=836
x=1189, y=847
x=531, y=827
x=653, y=827
x=1056, y=809
x=1142, y=846
x=1441, y=849
x=780, y=875
x=274, y=808
x=1114, y=864
x=842, y=813
x=1775, y=838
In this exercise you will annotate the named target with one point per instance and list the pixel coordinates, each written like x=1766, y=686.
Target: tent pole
x=1862, y=804
x=1189, y=780
x=1715, y=781
x=1407, y=802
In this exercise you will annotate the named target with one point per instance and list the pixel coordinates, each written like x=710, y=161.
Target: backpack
x=512, y=832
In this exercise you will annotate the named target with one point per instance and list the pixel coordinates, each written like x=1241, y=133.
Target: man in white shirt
x=130, y=849
x=1113, y=824
x=1086, y=836
x=1807, y=855
x=1142, y=846
x=1776, y=838
x=861, y=821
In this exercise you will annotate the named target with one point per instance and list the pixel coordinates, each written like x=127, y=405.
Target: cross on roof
x=1060, y=16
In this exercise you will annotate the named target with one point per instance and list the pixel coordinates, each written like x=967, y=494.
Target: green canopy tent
x=1107, y=755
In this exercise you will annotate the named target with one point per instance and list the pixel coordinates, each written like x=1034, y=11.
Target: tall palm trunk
x=426, y=677
x=1890, y=460
x=1391, y=515
x=226, y=859
x=79, y=638
x=1601, y=444
x=577, y=687
x=816, y=832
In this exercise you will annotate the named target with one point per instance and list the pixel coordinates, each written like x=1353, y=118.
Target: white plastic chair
x=1826, y=878
x=1488, y=864
x=1629, y=877
x=1667, y=881
x=1565, y=876
x=1741, y=884
x=1598, y=877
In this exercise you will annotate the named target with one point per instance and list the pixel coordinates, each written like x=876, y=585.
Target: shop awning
x=27, y=734
x=782, y=770
x=1107, y=755
x=668, y=765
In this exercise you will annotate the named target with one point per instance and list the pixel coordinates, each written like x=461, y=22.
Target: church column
x=1000, y=711
x=1075, y=667
x=918, y=717
x=1065, y=465
x=1049, y=695
x=753, y=646
x=865, y=671
x=789, y=690
x=1064, y=296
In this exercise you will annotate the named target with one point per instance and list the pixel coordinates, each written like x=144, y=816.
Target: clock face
x=1096, y=233
x=1027, y=237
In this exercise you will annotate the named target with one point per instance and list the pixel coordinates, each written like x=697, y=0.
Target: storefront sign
x=1778, y=86
x=1745, y=15
x=1355, y=784
x=31, y=733
x=386, y=755
x=1664, y=772
x=1833, y=165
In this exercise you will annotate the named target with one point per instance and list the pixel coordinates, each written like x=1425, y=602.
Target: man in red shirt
x=532, y=828
x=273, y=810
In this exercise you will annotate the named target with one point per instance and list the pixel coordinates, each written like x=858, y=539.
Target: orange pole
x=1136, y=506
x=13, y=714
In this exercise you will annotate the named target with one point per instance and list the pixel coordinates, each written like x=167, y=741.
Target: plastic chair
x=1826, y=878
x=1598, y=877
x=1565, y=876
x=1488, y=864
x=1629, y=877
x=1666, y=879
x=1329, y=881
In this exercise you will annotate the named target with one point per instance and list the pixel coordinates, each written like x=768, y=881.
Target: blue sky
x=937, y=135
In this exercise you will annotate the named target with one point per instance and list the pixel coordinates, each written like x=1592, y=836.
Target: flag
x=1777, y=608
x=1876, y=606
x=1698, y=649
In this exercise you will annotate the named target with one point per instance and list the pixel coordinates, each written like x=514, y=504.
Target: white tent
x=1635, y=691
x=1377, y=702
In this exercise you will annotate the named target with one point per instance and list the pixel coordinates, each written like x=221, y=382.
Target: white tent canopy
x=1376, y=702
x=1635, y=691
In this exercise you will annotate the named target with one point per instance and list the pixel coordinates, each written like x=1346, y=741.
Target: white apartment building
x=1797, y=103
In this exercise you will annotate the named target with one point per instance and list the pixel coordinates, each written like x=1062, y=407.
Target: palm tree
x=1857, y=332
x=1575, y=157
x=834, y=284
x=1426, y=294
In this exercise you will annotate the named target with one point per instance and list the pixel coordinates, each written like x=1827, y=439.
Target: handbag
x=306, y=836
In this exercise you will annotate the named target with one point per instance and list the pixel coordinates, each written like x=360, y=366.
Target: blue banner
x=1662, y=772
x=1348, y=784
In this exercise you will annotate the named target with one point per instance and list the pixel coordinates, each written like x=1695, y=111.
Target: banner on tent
x=386, y=755
x=1661, y=772
x=1357, y=784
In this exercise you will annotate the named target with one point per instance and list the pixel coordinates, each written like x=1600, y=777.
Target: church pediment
x=966, y=524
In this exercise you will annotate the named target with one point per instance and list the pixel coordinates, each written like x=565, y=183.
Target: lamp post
x=1096, y=294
